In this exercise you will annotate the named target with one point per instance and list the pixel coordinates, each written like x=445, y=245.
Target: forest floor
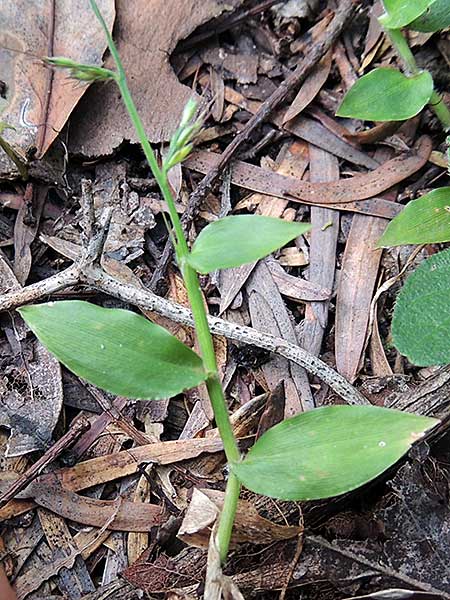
x=83, y=461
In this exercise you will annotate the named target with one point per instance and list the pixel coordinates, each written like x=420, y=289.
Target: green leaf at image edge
x=421, y=323
x=425, y=220
x=385, y=94
x=114, y=349
x=328, y=451
x=400, y=13
x=236, y=240
x=435, y=18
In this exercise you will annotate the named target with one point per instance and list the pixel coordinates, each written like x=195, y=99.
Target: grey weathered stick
x=41, y=289
x=318, y=50
x=94, y=276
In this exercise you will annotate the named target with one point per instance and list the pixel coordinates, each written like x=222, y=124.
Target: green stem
x=401, y=45
x=205, y=340
x=227, y=515
x=213, y=384
x=441, y=110
x=410, y=67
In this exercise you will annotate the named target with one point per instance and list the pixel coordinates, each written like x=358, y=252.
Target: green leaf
x=401, y=12
x=116, y=350
x=385, y=94
x=234, y=241
x=421, y=323
x=435, y=18
x=422, y=221
x=328, y=451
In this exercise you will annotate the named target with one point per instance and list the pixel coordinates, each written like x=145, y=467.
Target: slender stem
x=213, y=384
x=205, y=340
x=410, y=67
x=441, y=110
x=227, y=515
x=403, y=50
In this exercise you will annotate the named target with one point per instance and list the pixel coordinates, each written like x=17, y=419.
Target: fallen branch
x=94, y=276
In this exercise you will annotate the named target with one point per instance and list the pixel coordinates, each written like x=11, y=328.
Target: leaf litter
x=130, y=506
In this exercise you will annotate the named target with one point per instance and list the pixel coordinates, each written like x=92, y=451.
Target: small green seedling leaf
x=328, y=451
x=116, y=350
x=400, y=13
x=435, y=18
x=385, y=94
x=422, y=221
x=236, y=240
x=421, y=323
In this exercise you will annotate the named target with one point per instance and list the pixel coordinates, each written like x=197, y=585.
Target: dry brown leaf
x=148, y=34
x=118, y=514
x=374, y=134
x=356, y=284
x=254, y=178
x=249, y=526
x=324, y=170
x=137, y=542
x=269, y=314
x=310, y=87
x=374, y=32
x=39, y=100
x=25, y=229
x=378, y=361
x=343, y=191
x=359, y=272
x=296, y=288
x=312, y=35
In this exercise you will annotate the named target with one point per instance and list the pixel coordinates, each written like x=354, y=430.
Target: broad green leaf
x=116, y=350
x=328, y=451
x=421, y=323
x=236, y=240
x=385, y=94
x=401, y=12
x=435, y=18
x=422, y=221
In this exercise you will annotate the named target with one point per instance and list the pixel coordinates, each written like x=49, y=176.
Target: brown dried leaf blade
x=39, y=100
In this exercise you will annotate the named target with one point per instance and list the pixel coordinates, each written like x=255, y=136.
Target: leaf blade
x=312, y=455
x=240, y=239
x=114, y=349
x=400, y=13
x=425, y=220
x=385, y=94
x=421, y=322
x=435, y=18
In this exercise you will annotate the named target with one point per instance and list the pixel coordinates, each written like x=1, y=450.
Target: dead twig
x=78, y=428
x=94, y=276
x=341, y=18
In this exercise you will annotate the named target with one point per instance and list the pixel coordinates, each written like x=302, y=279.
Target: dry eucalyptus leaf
x=147, y=35
x=39, y=100
x=249, y=526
